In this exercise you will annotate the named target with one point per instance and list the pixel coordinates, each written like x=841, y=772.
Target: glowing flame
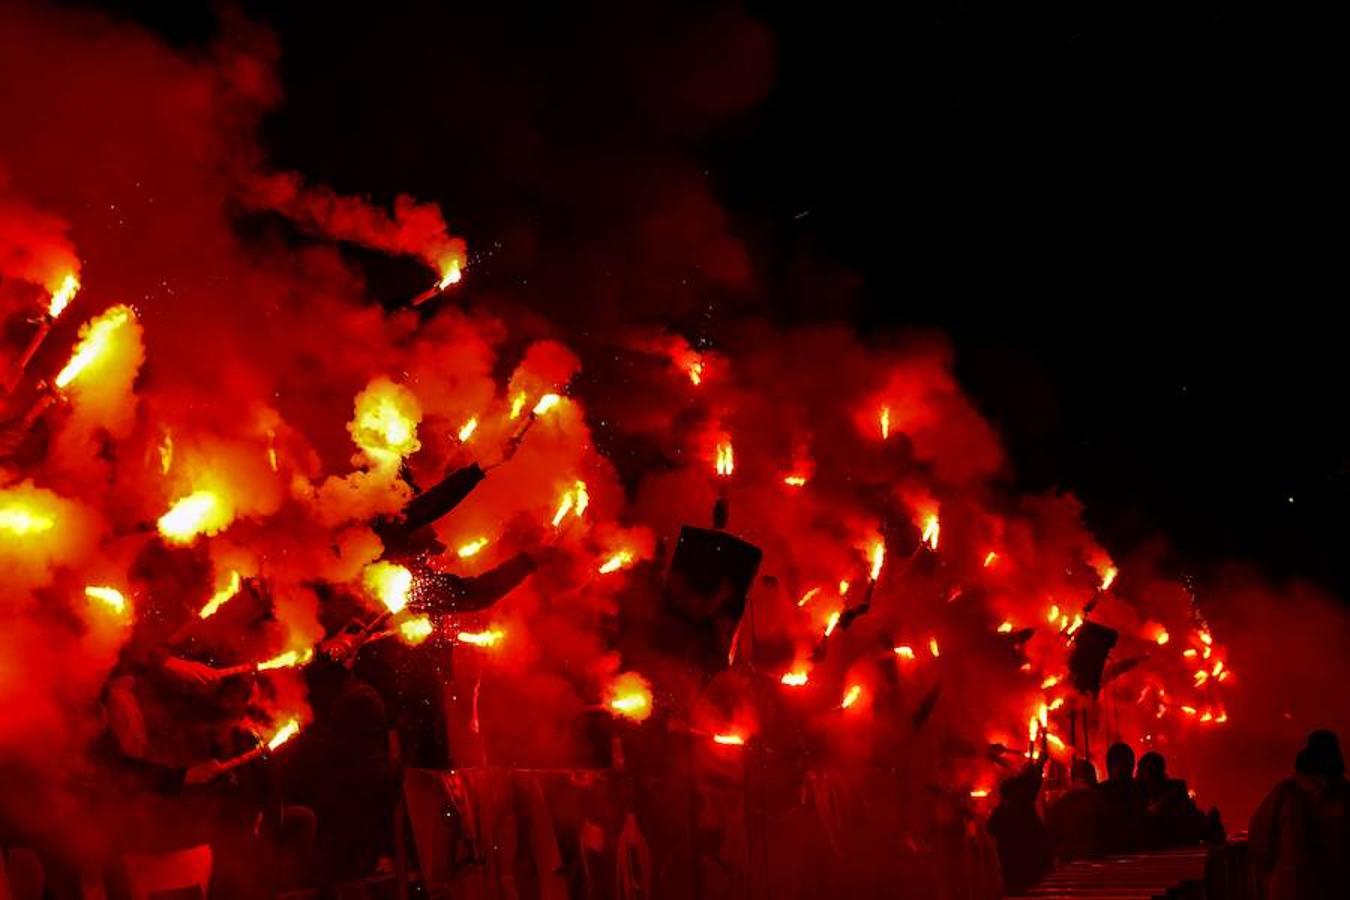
x=95, y=338
x=452, y=275
x=389, y=583
x=19, y=520
x=843, y=587
x=1109, y=573
x=415, y=631
x=490, y=638
x=518, y=405
x=725, y=463
x=933, y=647
x=904, y=651
x=990, y=558
x=575, y=500
x=795, y=678
x=794, y=480
x=221, y=597
x=1190, y=652
x=629, y=695
x=284, y=734
x=271, y=450
x=1005, y=627
x=694, y=368
x=467, y=429
x=1206, y=638
x=620, y=560
x=385, y=424
x=472, y=548
x=1049, y=682
x=109, y=597
x=979, y=793
x=546, y=402
x=884, y=420
x=1201, y=676
x=931, y=530
x=62, y=296
x=806, y=598
x=1053, y=615
x=1188, y=710
x=851, y=696
x=1162, y=637
x=288, y=660
x=200, y=512
x=831, y=623
x=878, y=559
x=731, y=740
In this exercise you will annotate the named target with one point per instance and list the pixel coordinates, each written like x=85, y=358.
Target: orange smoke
x=389, y=583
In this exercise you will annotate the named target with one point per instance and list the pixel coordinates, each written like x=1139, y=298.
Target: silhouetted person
x=1074, y=820
x=1023, y=841
x=1171, y=818
x=1296, y=838
x=1122, y=809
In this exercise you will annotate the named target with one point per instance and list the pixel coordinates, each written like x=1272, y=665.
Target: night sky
x=1125, y=215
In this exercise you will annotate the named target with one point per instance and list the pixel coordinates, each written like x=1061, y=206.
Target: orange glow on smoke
x=110, y=597
x=574, y=500
x=95, y=338
x=472, y=548
x=490, y=638
x=221, y=597
x=851, y=696
x=415, y=631
x=200, y=512
x=385, y=424
x=730, y=740
x=62, y=296
x=389, y=583
x=725, y=463
x=467, y=429
x=284, y=733
x=630, y=696
x=620, y=560
x=19, y=519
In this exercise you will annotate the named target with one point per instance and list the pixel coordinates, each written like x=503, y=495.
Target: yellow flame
x=415, y=631
x=221, y=597
x=518, y=405
x=200, y=512
x=389, y=583
x=933, y=647
x=885, y=421
x=904, y=651
x=288, y=660
x=616, y=562
x=575, y=499
x=1005, y=627
x=1049, y=682
x=630, y=696
x=979, y=793
x=472, y=548
x=990, y=558
x=385, y=424
x=95, y=337
x=284, y=734
x=62, y=296
x=546, y=402
x=851, y=697
x=467, y=429
x=843, y=587
x=878, y=559
x=20, y=520
x=490, y=638
x=1162, y=637
x=806, y=598
x=831, y=623
x=1053, y=614
x=795, y=678
x=725, y=463
x=931, y=530
x=733, y=740
x=695, y=370
x=1109, y=577
x=109, y=597
x=452, y=275
x=794, y=480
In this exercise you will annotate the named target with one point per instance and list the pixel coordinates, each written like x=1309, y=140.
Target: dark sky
x=1126, y=215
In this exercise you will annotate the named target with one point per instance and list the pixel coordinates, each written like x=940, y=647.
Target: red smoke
x=239, y=376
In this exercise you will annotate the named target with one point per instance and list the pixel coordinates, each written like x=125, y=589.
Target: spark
x=933, y=647
x=794, y=480
x=990, y=558
x=831, y=623
x=1005, y=627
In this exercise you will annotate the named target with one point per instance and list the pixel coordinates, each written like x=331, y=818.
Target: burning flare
x=878, y=558
x=221, y=597
x=546, y=402
x=415, y=631
x=472, y=548
x=630, y=696
x=490, y=638
x=389, y=583
x=794, y=480
x=904, y=651
x=574, y=500
x=619, y=560
x=452, y=274
x=725, y=462
x=200, y=512
x=796, y=678
x=731, y=739
x=931, y=530
x=884, y=420
x=467, y=429
x=110, y=597
x=288, y=660
x=20, y=520
x=95, y=338
x=385, y=424
x=851, y=696
x=62, y=296
x=284, y=733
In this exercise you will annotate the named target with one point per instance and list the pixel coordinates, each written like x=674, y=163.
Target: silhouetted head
x=1152, y=767
x=1324, y=754
x=1119, y=762
x=1083, y=773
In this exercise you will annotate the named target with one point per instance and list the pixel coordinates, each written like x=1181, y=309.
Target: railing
x=1186, y=873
